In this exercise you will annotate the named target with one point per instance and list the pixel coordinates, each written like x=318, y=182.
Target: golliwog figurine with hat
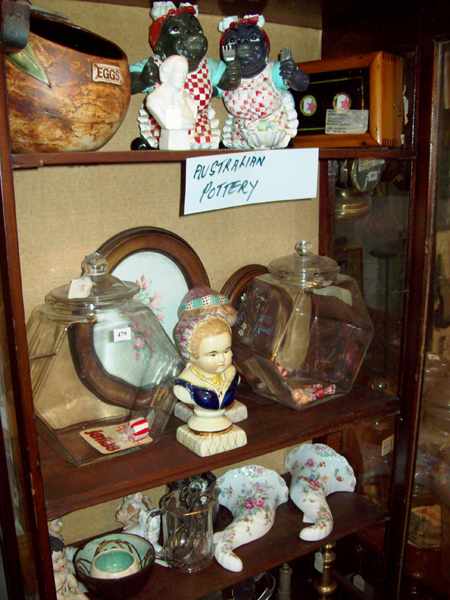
x=261, y=110
x=176, y=30
x=207, y=385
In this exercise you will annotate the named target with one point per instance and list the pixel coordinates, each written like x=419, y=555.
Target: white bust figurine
x=172, y=106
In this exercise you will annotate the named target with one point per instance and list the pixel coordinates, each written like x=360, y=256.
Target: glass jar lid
x=96, y=288
x=304, y=268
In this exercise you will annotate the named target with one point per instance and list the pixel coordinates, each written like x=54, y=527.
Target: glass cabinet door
x=427, y=559
x=369, y=204
x=370, y=221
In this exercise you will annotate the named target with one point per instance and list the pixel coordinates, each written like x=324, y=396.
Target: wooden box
x=360, y=96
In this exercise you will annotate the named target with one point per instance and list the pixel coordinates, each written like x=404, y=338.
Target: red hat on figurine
x=161, y=11
x=235, y=21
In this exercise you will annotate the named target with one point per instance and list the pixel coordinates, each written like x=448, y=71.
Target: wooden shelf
x=61, y=159
x=364, y=152
x=270, y=426
x=55, y=159
x=351, y=513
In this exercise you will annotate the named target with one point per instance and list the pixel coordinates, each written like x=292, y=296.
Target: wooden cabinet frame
x=43, y=470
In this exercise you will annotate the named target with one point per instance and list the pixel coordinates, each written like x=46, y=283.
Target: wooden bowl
x=119, y=587
x=68, y=90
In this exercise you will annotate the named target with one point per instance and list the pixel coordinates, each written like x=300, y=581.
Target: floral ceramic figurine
x=66, y=585
x=209, y=380
x=261, y=110
x=317, y=471
x=252, y=494
x=137, y=515
x=177, y=31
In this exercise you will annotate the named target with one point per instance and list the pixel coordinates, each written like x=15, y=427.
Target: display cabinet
x=391, y=258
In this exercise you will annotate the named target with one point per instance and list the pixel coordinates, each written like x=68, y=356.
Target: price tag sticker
x=80, y=288
x=387, y=445
x=121, y=334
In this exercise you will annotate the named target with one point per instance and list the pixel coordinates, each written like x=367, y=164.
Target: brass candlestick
x=326, y=585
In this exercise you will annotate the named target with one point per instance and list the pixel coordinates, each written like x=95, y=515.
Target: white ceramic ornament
x=317, y=471
x=66, y=584
x=138, y=516
x=252, y=494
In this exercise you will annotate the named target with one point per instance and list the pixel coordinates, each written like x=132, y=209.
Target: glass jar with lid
x=302, y=330
x=102, y=366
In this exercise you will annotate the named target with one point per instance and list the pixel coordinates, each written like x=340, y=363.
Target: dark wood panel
x=351, y=512
x=17, y=368
x=269, y=427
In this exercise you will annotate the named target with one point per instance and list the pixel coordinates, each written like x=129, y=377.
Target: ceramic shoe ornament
x=261, y=110
x=252, y=494
x=176, y=31
x=317, y=471
x=209, y=381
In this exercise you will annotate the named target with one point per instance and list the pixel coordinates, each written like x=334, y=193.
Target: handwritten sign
x=243, y=178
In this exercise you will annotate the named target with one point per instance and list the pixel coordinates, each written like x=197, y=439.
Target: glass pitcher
x=187, y=527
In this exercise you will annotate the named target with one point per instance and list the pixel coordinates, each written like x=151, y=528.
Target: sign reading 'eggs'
x=106, y=74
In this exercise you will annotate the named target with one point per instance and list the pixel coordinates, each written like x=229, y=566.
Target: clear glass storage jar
x=302, y=330
x=102, y=367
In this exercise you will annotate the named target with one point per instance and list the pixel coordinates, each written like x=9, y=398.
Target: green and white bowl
x=114, y=566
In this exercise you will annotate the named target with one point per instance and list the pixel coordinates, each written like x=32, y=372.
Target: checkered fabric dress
x=206, y=133
x=260, y=115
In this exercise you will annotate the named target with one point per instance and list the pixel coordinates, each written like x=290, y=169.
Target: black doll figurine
x=176, y=30
x=261, y=109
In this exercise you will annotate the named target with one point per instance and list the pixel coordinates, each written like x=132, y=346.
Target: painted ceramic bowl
x=115, y=560
x=114, y=566
x=68, y=89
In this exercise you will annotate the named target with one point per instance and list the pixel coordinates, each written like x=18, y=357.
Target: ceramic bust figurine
x=176, y=30
x=261, y=110
x=209, y=380
x=199, y=301
x=171, y=105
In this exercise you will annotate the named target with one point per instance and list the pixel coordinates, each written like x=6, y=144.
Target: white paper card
x=244, y=178
x=387, y=445
x=121, y=334
x=80, y=288
x=347, y=121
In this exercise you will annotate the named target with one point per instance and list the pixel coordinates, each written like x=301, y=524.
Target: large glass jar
x=302, y=330
x=102, y=367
